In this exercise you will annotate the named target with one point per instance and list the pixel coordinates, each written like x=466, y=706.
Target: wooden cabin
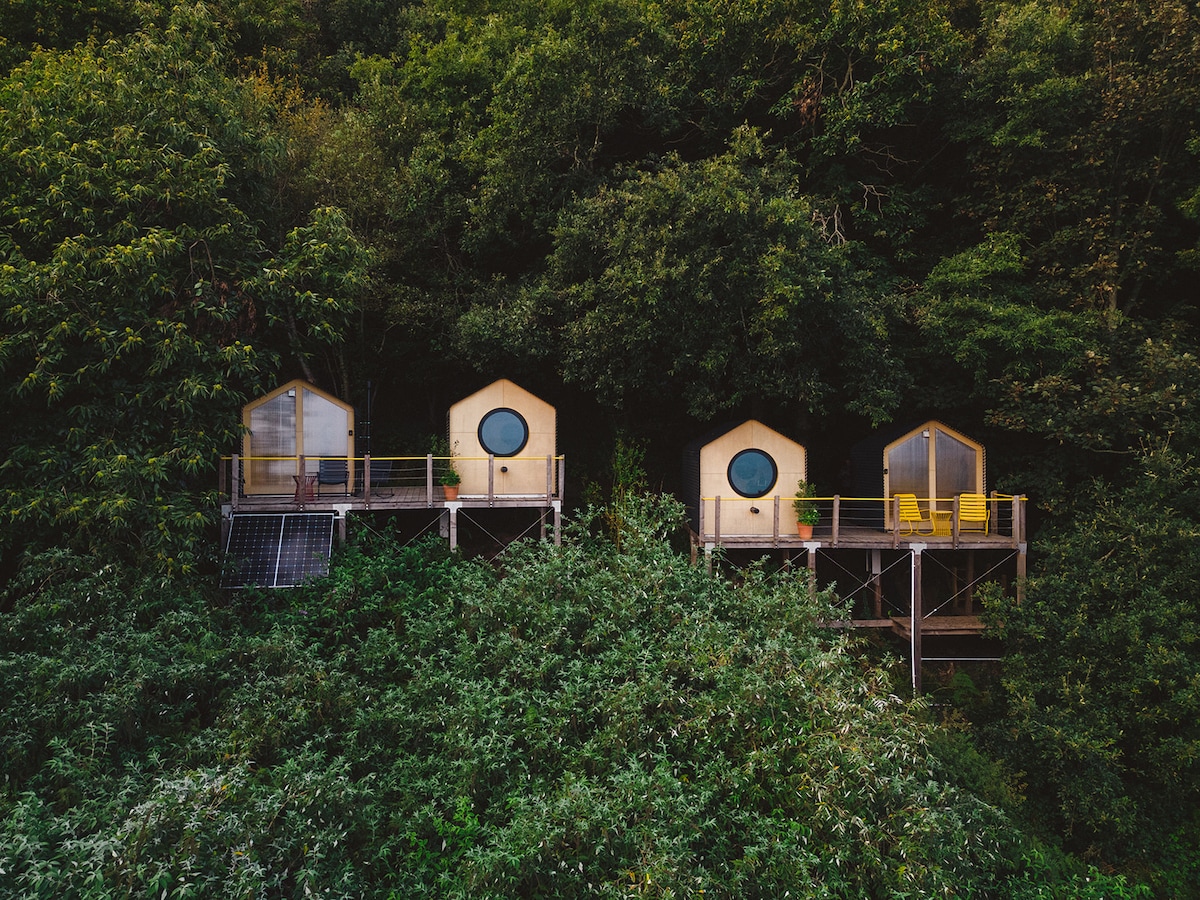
x=504, y=440
x=739, y=482
x=932, y=461
x=297, y=472
x=293, y=422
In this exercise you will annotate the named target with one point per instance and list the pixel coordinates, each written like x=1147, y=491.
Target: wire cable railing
x=938, y=519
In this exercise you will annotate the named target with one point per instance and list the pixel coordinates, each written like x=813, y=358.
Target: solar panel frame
x=276, y=550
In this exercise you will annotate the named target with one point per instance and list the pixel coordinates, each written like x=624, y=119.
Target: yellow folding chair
x=911, y=515
x=973, y=512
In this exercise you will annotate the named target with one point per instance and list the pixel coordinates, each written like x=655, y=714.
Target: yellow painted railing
x=994, y=514
x=361, y=476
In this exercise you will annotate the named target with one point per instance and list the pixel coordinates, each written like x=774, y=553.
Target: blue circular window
x=752, y=473
x=503, y=432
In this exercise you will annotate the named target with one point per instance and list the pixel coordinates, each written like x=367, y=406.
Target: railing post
x=221, y=476
x=837, y=515
x=1019, y=504
x=775, y=524
x=895, y=511
x=717, y=520
x=235, y=473
x=429, y=479
x=491, y=479
x=549, y=477
x=562, y=477
x=367, y=478
x=954, y=519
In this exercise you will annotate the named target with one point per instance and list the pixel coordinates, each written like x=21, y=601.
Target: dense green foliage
x=136, y=262
x=657, y=214
x=577, y=722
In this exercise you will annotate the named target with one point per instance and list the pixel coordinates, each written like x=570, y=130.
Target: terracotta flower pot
x=451, y=491
x=805, y=531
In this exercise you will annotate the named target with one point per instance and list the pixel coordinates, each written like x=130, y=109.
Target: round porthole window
x=503, y=432
x=752, y=473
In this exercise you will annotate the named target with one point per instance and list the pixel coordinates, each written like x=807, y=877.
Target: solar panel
x=277, y=549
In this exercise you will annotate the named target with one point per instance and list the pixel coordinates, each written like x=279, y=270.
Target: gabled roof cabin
x=752, y=468
x=505, y=442
x=932, y=461
x=294, y=420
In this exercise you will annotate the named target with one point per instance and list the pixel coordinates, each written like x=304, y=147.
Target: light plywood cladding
x=526, y=471
x=736, y=516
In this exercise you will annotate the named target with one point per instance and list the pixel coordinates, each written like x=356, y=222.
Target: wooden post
x=235, y=473
x=367, y=478
x=775, y=525
x=301, y=488
x=877, y=581
x=717, y=519
x=954, y=520
x=1019, y=505
x=895, y=504
x=917, y=615
x=562, y=477
x=549, y=478
x=491, y=479
x=429, y=479
x=837, y=515
x=558, y=524
x=452, y=508
x=221, y=470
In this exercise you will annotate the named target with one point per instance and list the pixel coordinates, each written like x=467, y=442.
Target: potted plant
x=807, y=514
x=450, y=480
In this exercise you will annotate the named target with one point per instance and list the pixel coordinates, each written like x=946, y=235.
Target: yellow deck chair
x=911, y=515
x=973, y=512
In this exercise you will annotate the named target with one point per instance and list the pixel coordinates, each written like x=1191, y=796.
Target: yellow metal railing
x=487, y=477
x=994, y=514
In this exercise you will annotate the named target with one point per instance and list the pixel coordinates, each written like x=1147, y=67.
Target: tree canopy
x=664, y=215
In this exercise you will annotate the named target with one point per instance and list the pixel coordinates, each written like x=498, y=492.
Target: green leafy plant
x=450, y=476
x=805, y=507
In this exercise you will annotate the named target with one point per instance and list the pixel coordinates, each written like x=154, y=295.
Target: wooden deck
x=385, y=499
x=943, y=626
x=412, y=484
x=864, y=523
x=860, y=538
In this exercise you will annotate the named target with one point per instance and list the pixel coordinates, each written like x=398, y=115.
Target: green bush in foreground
x=574, y=722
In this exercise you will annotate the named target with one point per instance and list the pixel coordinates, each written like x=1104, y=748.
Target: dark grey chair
x=333, y=471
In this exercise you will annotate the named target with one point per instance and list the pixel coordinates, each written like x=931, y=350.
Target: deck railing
x=772, y=518
x=382, y=477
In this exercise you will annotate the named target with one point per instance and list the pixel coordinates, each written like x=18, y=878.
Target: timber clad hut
x=504, y=441
x=295, y=420
x=931, y=461
x=753, y=471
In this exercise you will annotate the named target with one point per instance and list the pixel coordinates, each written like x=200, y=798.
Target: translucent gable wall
x=935, y=463
x=293, y=421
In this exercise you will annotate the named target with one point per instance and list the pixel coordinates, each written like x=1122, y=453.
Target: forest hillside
x=659, y=216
